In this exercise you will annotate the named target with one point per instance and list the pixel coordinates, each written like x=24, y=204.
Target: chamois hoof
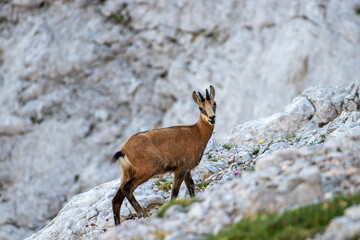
x=143, y=215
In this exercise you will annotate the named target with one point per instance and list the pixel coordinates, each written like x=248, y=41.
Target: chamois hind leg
x=116, y=203
x=127, y=176
x=178, y=179
x=129, y=188
x=190, y=184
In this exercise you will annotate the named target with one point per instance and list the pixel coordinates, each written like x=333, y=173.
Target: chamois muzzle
x=212, y=119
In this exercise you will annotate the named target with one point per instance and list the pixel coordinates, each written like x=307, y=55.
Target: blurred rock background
x=79, y=77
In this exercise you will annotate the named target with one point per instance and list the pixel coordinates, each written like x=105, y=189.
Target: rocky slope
x=285, y=168
x=78, y=77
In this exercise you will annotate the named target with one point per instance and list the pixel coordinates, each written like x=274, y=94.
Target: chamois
x=176, y=149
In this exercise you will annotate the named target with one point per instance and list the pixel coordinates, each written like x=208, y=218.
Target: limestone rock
x=313, y=108
x=292, y=174
x=89, y=214
x=79, y=77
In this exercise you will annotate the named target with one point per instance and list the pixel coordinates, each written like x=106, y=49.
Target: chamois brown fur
x=175, y=149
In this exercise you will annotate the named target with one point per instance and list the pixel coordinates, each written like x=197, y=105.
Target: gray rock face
x=88, y=215
x=77, y=78
x=313, y=108
x=316, y=163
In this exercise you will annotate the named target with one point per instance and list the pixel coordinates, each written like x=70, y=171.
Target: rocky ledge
x=308, y=153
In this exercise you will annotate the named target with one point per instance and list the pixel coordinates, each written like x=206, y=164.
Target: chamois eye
x=201, y=109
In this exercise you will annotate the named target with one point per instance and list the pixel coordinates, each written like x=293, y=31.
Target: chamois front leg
x=190, y=184
x=178, y=179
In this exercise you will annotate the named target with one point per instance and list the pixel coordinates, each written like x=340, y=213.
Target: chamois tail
x=116, y=156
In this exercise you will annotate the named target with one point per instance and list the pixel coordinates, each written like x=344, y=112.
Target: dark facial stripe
x=203, y=111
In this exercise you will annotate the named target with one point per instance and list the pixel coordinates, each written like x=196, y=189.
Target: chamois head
x=206, y=105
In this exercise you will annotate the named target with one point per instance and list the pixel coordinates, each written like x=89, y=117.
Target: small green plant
x=163, y=184
x=256, y=151
x=300, y=223
x=180, y=201
x=166, y=186
x=298, y=139
x=213, y=160
x=357, y=9
x=76, y=177
x=122, y=16
x=251, y=169
x=33, y=228
x=204, y=184
x=322, y=138
x=227, y=146
x=35, y=120
x=119, y=18
x=270, y=143
x=209, y=156
x=322, y=124
x=160, y=181
x=312, y=143
x=310, y=117
x=291, y=137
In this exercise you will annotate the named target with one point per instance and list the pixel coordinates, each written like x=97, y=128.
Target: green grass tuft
x=256, y=151
x=291, y=137
x=310, y=117
x=300, y=223
x=76, y=177
x=180, y=201
x=227, y=146
x=204, y=184
x=35, y=120
x=163, y=184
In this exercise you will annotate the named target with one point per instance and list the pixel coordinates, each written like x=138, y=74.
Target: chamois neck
x=205, y=128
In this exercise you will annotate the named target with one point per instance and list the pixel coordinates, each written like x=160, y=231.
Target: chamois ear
x=212, y=92
x=195, y=97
